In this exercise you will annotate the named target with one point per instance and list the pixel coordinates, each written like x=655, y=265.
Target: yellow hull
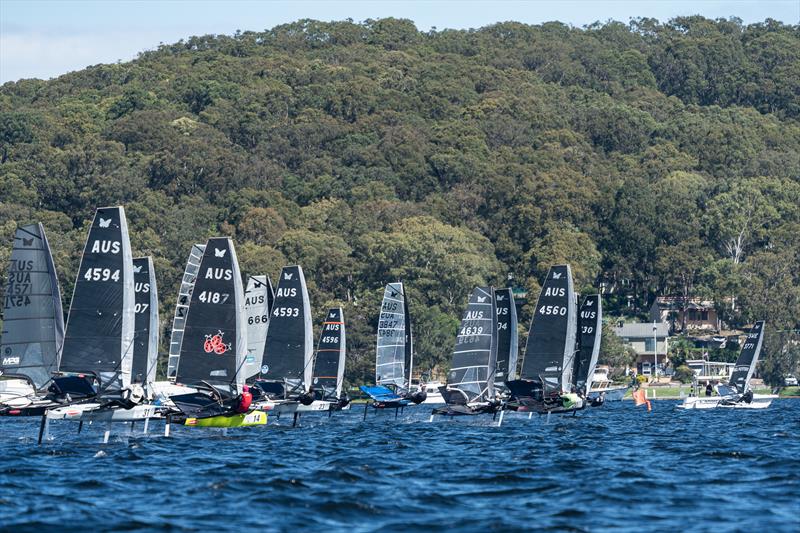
x=253, y=418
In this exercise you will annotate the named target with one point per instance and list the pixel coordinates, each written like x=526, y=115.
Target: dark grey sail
x=145, y=338
x=258, y=300
x=475, y=356
x=394, y=352
x=329, y=362
x=590, y=328
x=289, y=348
x=215, y=336
x=100, y=325
x=507, y=337
x=549, y=353
x=33, y=321
x=182, y=308
x=748, y=358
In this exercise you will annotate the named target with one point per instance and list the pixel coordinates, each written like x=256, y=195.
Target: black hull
x=26, y=411
x=465, y=410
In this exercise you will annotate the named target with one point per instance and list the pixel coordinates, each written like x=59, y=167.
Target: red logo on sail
x=214, y=344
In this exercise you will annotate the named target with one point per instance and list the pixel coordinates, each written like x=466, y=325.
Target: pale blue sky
x=45, y=38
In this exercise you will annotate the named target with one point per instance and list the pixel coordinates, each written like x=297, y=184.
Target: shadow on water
x=616, y=467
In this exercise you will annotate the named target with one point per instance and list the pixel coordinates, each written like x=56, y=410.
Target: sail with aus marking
x=748, y=358
x=330, y=359
x=394, y=352
x=475, y=353
x=507, y=336
x=182, y=308
x=100, y=324
x=33, y=321
x=590, y=328
x=145, y=337
x=289, y=350
x=215, y=335
x=550, y=350
x=258, y=300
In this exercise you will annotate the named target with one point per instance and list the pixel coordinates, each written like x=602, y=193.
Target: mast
x=33, y=320
x=257, y=300
x=182, y=308
x=289, y=348
x=474, y=355
x=409, y=355
x=145, y=338
x=215, y=336
x=393, y=353
x=549, y=352
x=590, y=329
x=507, y=338
x=748, y=358
x=100, y=325
x=330, y=359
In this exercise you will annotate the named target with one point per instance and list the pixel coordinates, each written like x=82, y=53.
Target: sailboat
x=507, y=338
x=470, y=382
x=214, y=345
x=394, y=359
x=258, y=300
x=590, y=329
x=285, y=379
x=328, y=374
x=545, y=380
x=145, y=336
x=33, y=325
x=737, y=394
x=97, y=358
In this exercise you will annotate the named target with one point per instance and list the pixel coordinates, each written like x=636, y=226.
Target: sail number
x=212, y=297
x=330, y=339
x=588, y=330
x=286, y=311
x=101, y=274
x=141, y=308
x=263, y=319
x=470, y=330
x=553, y=310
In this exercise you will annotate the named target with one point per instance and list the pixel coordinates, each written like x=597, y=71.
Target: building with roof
x=650, y=341
x=701, y=315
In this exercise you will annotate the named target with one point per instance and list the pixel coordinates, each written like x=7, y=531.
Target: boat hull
x=253, y=418
x=759, y=401
x=613, y=394
x=290, y=407
x=96, y=412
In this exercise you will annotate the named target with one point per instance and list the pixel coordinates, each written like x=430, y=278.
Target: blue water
x=615, y=467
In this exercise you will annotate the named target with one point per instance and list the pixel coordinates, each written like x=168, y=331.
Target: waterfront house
x=650, y=342
x=701, y=315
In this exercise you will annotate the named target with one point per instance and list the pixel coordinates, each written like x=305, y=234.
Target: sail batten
x=289, y=349
x=550, y=350
x=475, y=353
x=33, y=325
x=100, y=324
x=145, y=344
x=394, y=350
x=215, y=336
x=330, y=359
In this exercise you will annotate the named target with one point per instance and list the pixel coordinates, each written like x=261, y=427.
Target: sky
x=47, y=38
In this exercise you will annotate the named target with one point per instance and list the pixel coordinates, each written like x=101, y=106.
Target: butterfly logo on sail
x=137, y=269
x=500, y=297
x=333, y=315
x=27, y=242
x=481, y=299
x=219, y=253
x=393, y=294
x=589, y=302
x=214, y=344
x=287, y=276
x=105, y=222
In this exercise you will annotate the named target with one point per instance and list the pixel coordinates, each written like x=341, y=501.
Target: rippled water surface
x=615, y=467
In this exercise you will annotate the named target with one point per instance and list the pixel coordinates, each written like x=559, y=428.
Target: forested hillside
x=657, y=158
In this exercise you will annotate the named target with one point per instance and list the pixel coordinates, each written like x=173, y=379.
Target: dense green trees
x=657, y=158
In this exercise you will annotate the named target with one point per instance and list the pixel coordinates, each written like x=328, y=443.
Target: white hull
x=434, y=399
x=290, y=407
x=613, y=394
x=92, y=412
x=16, y=393
x=760, y=401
